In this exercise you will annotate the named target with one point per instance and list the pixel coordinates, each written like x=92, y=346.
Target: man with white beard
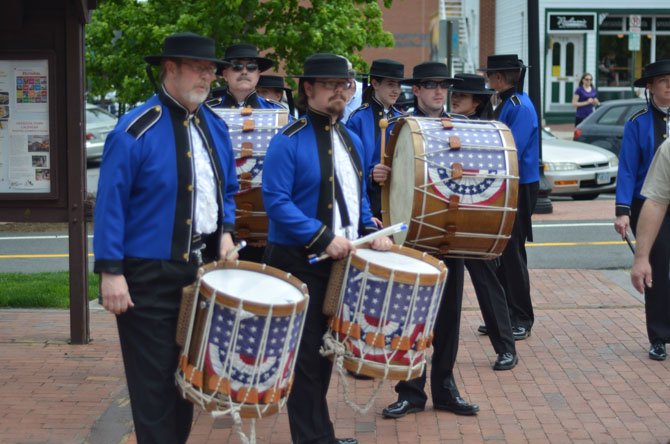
x=164, y=205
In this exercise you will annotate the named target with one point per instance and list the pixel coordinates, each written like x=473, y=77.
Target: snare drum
x=239, y=328
x=250, y=132
x=387, y=305
x=455, y=182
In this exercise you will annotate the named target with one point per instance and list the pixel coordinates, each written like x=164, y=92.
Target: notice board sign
x=26, y=132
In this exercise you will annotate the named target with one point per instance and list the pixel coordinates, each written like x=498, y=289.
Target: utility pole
x=543, y=205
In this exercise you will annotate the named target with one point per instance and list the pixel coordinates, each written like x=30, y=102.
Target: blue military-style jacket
x=518, y=113
x=642, y=135
x=145, y=200
x=298, y=182
x=364, y=121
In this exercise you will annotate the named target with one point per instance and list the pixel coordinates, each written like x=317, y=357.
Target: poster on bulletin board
x=25, y=136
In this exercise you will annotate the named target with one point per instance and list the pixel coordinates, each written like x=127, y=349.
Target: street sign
x=634, y=23
x=634, y=41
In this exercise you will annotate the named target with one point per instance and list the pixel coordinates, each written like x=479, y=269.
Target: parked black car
x=604, y=128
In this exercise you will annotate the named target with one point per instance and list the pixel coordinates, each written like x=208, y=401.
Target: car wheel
x=589, y=196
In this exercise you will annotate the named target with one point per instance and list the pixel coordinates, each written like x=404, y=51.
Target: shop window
x=662, y=46
x=614, y=65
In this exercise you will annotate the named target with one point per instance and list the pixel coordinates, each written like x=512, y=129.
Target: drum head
x=401, y=192
x=396, y=261
x=252, y=286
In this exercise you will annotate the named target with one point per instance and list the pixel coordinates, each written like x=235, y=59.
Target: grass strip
x=40, y=290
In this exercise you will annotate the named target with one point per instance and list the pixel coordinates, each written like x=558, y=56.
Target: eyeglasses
x=201, y=69
x=433, y=84
x=588, y=78
x=335, y=84
x=239, y=67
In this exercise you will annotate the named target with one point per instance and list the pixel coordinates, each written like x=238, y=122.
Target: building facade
x=611, y=39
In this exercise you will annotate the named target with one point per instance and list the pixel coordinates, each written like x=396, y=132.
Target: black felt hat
x=271, y=81
x=187, y=45
x=471, y=84
x=503, y=62
x=429, y=70
x=325, y=66
x=241, y=51
x=388, y=69
x=655, y=69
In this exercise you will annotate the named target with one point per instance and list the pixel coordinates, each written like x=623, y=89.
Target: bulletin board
x=27, y=158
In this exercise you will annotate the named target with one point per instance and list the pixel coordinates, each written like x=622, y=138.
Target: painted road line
x=574, y=244
x=37, y=256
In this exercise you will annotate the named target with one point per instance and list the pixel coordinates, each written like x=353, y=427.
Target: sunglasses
x=239, y=67
x=335, y=84
x=433, y=84
x=588, y=78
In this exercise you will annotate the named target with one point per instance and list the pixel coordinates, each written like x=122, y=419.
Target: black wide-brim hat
x=187, y=45
x=271, y=81
x=325, y=66
x=503, y=62
x=387, y=69
x=429, y=70
x=655, y=69
x=470, y=84
x=241, y=51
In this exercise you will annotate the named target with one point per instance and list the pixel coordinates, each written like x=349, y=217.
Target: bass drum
x=455, y=182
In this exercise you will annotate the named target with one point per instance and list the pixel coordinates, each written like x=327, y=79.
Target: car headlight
x=614, y=161
x=560, y=166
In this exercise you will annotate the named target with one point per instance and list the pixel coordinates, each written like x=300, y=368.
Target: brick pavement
x=583, y=376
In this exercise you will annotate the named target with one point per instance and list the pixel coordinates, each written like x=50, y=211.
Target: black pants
x=445, y=344
x=375, y=195
x=150, y=352
x=492, y=303
x=513, y=270
x=657, y=298
x=252, y=254
x=308, y=414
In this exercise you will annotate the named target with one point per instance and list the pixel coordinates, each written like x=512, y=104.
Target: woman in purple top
x=585, y=98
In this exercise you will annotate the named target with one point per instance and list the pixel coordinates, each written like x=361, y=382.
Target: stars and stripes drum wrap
x=250, y=133
x=240, y=326
x=387, y=305
x=456, y=182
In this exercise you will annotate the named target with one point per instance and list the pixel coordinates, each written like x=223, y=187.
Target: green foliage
x=122, y=32
x=40, y=290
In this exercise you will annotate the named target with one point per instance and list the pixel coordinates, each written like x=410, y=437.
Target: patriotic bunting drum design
x=456, y=182
x=250, y=132
x=239, y=328
x=387, y=306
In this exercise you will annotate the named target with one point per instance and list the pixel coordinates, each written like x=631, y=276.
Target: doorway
x=566, y=57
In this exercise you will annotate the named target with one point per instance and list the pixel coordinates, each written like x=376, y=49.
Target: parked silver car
x=98, y=124
x=577, y=169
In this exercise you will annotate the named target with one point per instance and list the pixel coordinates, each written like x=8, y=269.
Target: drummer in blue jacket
x=505, y=74
x=430, y=84
x=315, y=196
x=378, y=103
x=642, y=136
x=241, y=74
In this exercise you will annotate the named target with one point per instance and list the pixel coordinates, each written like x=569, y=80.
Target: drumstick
x=362, y=240
x=237, y=248
x=630, y=244
x=383, y=124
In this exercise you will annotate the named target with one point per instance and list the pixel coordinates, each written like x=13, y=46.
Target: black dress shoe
x=458, y=406
x=346, y=441
x=657, y=351
x=520, y=333
x=506, y=361
x=400, y=408
x=482, y=329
